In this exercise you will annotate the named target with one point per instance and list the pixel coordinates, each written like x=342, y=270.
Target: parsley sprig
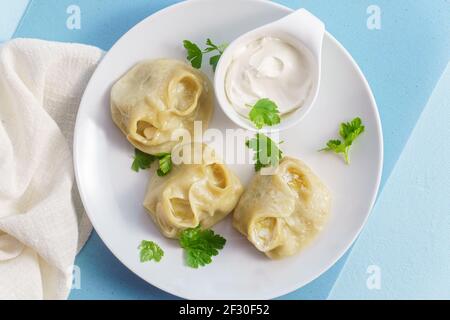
x=219, y=49
x=200, y=246
x=264, y=112
x=143, y=161
x=267, y=153
x=195, y=54
x=149, y=250
x=348, y=131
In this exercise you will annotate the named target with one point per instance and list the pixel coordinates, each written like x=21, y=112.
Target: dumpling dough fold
x=192, y=195
x=157, y=97
x=282, y=212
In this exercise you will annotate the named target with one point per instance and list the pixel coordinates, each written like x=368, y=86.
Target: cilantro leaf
x=200, y=246
x=150, y=251
x=194, y=54
x=266, y=150
x=142, y=160
x=348, y=131
x=165, y=164
x=264, y=112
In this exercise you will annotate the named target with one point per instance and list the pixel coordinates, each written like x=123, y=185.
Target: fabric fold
x=42, y=221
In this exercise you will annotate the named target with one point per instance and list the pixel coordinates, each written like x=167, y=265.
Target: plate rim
x=277, y=292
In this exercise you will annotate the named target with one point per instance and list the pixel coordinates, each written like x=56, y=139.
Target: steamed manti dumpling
x=191, y=195
x=155, y=98
x=280, y=213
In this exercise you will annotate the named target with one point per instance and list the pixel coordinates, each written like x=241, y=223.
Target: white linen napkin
x=42, y=221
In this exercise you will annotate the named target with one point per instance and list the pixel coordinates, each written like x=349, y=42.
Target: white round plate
x=113, y=194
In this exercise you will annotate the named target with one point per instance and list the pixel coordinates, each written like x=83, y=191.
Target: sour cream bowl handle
x=307, y=28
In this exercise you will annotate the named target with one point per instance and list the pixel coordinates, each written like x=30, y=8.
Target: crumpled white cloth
x=42, y=221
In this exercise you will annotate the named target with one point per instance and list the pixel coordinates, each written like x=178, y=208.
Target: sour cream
x=269, y=68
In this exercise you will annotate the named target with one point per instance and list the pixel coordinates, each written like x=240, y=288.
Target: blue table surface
x=10, y=14
x=402, y=61
x=411, y=257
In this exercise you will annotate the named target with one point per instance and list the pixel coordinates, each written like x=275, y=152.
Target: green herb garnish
x=219, y=49
x=150, y=251
x=143, y=161
x=165, y=164
x=195, y=54
x=266, y=150
x=200, y=246
x=264, y=112
x=349, y=132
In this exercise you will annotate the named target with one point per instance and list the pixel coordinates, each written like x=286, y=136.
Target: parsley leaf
x=212, y=47
x=165, y=164
x=194, y=54
x=336, y=145
x=200, y=246
x=351, y=130
x=214, y=60
x=348, y=131
x=264, y=112
x=142, y=160
x=266, y=150
x=150, y=251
